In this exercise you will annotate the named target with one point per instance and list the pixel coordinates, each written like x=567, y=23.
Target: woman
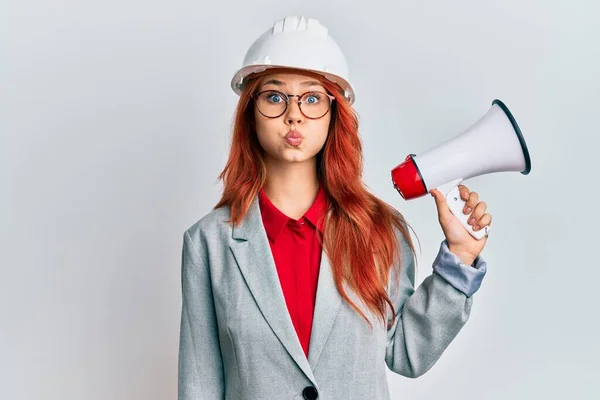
x=300, y=283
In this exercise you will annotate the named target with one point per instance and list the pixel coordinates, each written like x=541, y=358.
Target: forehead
x=291, y=79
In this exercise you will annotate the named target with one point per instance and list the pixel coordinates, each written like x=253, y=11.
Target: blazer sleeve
x=200, y=363
x=430, y=317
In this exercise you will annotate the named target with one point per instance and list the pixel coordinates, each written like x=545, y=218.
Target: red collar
x=274, y=220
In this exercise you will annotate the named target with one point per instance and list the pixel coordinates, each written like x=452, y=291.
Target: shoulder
x=211, y=226
x=402, y=230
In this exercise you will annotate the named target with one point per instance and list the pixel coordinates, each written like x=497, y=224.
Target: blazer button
x=310, y=393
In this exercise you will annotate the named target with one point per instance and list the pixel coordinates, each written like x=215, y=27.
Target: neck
x=292, y=187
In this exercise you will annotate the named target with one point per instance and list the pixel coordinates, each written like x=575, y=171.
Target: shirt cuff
x=466, y=278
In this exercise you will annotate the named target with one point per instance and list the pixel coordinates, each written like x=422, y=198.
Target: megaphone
x=493, y=144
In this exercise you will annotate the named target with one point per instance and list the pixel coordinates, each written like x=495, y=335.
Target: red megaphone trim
x=407, y=179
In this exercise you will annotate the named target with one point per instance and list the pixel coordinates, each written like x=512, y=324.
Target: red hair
x=359, y=236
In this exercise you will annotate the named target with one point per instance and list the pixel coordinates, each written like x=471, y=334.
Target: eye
x=313, y=98
x=274, y=97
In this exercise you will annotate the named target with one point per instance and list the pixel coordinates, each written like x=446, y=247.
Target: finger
x=464, y=192
x=471, y=203
x=477, y=213
x=441, y=204
x=486, y=220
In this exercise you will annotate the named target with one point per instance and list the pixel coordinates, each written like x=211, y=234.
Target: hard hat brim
x=240, y=76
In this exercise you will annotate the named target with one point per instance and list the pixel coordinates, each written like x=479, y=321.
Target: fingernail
x=476, y=227
x=467, y=210
x=472, y=220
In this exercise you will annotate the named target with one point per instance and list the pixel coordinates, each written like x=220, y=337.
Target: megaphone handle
x=456, y=205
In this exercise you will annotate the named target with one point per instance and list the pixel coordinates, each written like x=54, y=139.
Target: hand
x=460, y=241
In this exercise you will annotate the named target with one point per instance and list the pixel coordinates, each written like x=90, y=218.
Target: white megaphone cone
x=493, y=144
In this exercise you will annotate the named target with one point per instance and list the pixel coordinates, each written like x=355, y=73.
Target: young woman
x=300, y=283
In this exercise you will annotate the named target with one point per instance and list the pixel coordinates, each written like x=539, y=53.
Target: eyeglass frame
x=287, y=102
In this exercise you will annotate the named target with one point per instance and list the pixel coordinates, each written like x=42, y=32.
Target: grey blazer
x=237, y=341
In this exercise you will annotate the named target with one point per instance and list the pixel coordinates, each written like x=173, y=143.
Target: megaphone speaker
x=493, y=144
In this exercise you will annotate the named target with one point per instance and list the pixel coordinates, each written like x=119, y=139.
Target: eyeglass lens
x=312, y=104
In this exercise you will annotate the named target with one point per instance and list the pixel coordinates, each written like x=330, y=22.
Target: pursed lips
x=294, y=138
x=294, y=134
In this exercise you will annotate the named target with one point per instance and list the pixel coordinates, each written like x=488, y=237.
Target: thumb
x=441, y=204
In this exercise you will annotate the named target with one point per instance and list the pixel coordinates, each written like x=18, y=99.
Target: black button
x=310, y=393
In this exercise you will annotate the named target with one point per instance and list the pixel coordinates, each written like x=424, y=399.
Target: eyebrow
x=279, y=83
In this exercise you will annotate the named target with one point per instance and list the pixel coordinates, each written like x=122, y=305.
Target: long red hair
x=359, y=236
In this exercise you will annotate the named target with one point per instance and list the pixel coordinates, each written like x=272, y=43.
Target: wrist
x=465, y=257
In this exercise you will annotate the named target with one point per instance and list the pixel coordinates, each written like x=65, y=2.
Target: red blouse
x=297, y=254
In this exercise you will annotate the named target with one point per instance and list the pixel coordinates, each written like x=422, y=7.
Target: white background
x=114, y=124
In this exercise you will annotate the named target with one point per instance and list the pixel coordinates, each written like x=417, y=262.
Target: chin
x=298, y=157
x=295, y=159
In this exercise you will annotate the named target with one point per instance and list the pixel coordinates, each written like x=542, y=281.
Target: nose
x=293, y=114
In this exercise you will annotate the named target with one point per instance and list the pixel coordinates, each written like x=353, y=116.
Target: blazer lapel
x=254, y=258
x=327, y=305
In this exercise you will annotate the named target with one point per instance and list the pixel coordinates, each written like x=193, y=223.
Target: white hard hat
x=296, y=42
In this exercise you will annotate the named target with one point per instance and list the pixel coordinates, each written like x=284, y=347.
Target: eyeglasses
x=273, y=103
